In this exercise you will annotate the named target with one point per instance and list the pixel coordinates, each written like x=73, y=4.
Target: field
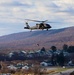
x=37, y=70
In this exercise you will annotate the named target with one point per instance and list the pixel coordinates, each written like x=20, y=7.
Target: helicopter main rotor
x=36, y=20
x=41, y=21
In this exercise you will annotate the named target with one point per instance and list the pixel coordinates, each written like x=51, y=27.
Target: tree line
x=16, y=56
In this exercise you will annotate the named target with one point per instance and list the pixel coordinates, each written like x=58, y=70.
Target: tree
x=71, y=49
x=43, y=49
x=53, y=48
x=54, y=55
x=61, y=59
x=65, y=47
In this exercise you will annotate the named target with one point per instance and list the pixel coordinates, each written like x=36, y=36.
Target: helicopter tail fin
x=27, y=26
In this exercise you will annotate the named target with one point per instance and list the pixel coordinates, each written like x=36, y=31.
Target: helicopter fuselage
x=38, y=26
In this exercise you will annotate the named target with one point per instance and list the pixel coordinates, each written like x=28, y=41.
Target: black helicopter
x=42, y=25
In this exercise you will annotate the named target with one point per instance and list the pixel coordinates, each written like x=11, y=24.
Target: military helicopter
x=41, y=25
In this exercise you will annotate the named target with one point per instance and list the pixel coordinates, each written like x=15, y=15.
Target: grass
x=51, y=71
x=57, y=70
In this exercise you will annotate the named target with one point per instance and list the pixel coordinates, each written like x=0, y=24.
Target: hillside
x=30, y=40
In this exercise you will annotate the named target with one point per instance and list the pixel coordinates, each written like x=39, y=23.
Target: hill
x=37, y=39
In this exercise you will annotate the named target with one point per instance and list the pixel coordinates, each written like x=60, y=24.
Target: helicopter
x=41, y=25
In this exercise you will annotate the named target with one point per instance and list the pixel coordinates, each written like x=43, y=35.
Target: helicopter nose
x=48, y=26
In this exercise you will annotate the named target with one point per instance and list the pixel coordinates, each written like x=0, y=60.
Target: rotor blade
x=53, y=22
x=36, y=20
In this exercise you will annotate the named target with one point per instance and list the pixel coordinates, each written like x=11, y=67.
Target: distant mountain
x=37, y=39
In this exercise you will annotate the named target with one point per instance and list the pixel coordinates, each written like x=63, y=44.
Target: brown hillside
x=29, y=40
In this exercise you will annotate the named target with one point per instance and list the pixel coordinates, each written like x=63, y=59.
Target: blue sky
x=14, y=12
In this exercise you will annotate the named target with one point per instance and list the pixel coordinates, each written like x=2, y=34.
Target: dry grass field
x=36, y=69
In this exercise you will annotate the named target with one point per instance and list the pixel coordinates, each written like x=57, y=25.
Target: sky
x=14, y=12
